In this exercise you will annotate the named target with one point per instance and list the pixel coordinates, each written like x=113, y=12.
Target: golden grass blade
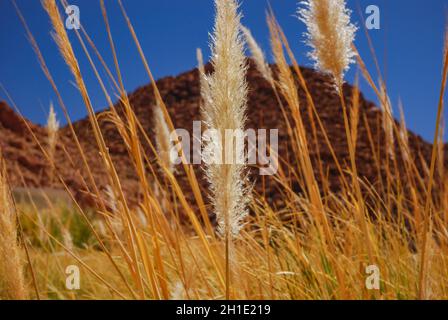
x=11, y=266
x=66, y=50
x=188, y=168
x=427, y=234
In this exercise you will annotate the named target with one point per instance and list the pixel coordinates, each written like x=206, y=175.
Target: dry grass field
x=179, y=241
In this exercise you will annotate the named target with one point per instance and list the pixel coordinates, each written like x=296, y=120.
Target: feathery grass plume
x=205, y=87
x=12, y=282
x=163, y=142
x=285, y=79
x=330, y=34
x=387, y=121
x=60, y=37
x=115, y=219
x=67, y=239
x=224, y=110
x=206, y=97
x=179, y=292
x=258, y=55
x=52, y=132
x=100, y=227
x=143, y=220
x=200, y=58
x=164, y=147
x=111, y=199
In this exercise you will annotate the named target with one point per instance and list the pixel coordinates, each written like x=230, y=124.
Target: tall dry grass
x=317, y=245
x=12, y=283
x=224, y=113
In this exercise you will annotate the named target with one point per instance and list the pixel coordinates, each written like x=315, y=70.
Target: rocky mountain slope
x=28, y=167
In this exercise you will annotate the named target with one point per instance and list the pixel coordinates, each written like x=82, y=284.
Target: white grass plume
x=67, y=239
x=178, y=291
x=258, y=55
x=162, y=137
x=200, y=58
x=52, y=124
x=52, y=132
x=111, y=199
x=330, y=34
x=115, y=207
x=224, y=108
x=205, y=88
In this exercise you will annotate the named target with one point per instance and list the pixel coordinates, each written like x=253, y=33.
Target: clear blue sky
x=409, y=46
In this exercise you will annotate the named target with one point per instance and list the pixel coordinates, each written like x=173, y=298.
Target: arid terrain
x=27, y=166
x=357, y=207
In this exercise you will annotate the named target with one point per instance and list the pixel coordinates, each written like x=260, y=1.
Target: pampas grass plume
x=52, y=131
x=258, y=55
x=330, y=35
x=225, y=108
x=162, y=137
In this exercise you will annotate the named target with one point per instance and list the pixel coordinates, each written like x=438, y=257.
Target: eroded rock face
x=10, y=120
x=27, y=165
